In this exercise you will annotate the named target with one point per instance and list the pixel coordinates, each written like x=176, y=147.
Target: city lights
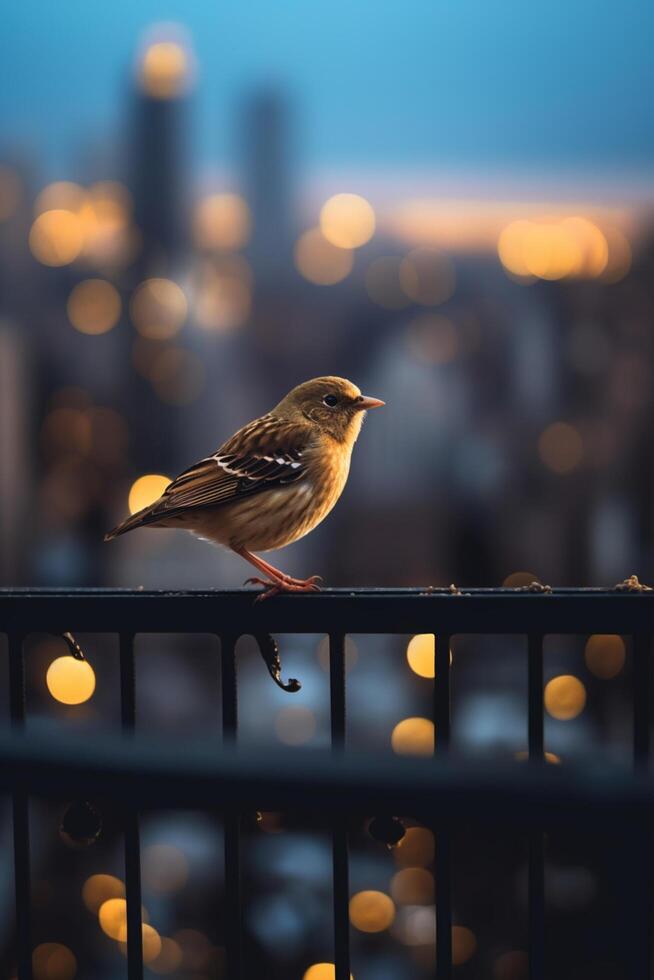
x=100, y=888
x=94, y=306
x=158, y=309
x=221, y=222
x=427, y=276
x=112, y=916
x=164, y=70
x=151, y=940
x=53, y=961
x=70, y=681
x=413, y=736
x=421, y=654
x=347, y=220
x=169, y=959
x=56, y=237
x=321, y=262
x=371, y=911
x=413, y=886
x=561, y=448
x=605, y=655
x=223, y=293
x=554, y=249
x=146, y=490
x=416, y=849
x=565, y=697
x=321, y=971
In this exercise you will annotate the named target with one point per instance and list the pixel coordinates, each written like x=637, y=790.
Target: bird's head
x=334, y=404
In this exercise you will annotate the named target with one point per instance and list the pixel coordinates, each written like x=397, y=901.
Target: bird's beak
x=364, y=403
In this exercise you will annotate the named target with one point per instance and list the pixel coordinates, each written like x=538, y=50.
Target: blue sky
x=391, y=85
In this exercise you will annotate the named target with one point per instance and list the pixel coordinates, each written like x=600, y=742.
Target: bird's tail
x=136, y=520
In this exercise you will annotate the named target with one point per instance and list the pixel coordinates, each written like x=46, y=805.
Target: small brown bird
x=272, y=482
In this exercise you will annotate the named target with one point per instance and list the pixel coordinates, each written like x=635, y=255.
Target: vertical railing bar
x=20, y=817
x=130, y=818
x=642, y=687
x=231, y=818
x=443, y=864
x=340, y=857
x=536, y=878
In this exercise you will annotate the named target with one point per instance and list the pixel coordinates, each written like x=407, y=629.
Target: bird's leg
x=277, y=581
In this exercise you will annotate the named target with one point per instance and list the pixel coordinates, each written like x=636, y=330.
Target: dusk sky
x=511, y=85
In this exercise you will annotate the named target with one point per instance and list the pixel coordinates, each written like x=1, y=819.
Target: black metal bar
x=231, y=818
x=443, y=833
x=130, y=818
x=340, y=857
x=536, y=887
x=643, y=853
x=20, y=817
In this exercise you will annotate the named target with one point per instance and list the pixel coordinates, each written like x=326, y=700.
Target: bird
x=271, y=483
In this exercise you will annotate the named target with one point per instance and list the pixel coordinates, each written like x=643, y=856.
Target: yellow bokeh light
x=553, y=249
x=383, y=283
x=416, y=849
x=112, y=916
x=295, y=725
x=413, y=736
x=221, y=221
x=94, y=306
x=11, y=192
x=151, y=941
x=223, y=294
x=70, y=681
x=371, y=911
x=56, y=237
x=53, y=961
x=565, y=697
x=169, y=958
x=605, y=655
x=518, y=580
x=421, y=654
x=413, y=886
x=321, y=971
x=347, y=220
x=146, y=490
x=319, y=261
x=561, y=447
x=427, y=276
x=464, y=945
x=165, y=869
x=164, y=70
x=158, y=308
x=100, y=888
x=61, y=194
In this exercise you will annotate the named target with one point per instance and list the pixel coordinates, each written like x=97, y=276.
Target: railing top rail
x=333, y=610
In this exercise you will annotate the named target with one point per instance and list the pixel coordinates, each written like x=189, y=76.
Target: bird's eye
x=330, y=400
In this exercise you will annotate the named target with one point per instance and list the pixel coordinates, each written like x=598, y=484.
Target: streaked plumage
x=272, y=482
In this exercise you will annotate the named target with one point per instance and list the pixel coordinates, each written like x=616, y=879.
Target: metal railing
x=437, y=791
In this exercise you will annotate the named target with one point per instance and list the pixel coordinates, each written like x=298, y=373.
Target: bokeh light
x=319, y=261
x=53, y=961
x=421, y=654
x=99, y=888
x=221, y=221
x=605, y=655
x=295, y=725
x=223, y=293
x=371, y=911
x=195, y=946
x=62, y=194
x=169, y=958
x=565, y=697
x=70, y=681
x=413, y=736
x=94, y=306
x=321, y=971
x=347, y=220
x=146, y=490
x=416, y=849
x=56, y=237
x=464, y=945
x=561, y=447
x=112, y=916
x=413, y=886
x=164, y=70
x=151, y=941
x=165, y=869
x=158, y=308
x=554, y=249
x=427, y=276
x=518, y=580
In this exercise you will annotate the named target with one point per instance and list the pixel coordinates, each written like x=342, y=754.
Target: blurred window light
x=464, y=945
x=413, y=886
x=383, y=283
x=221, y=221
x=421, y=654
x=164, y=70
x=417, y=848
x=62, y=194
x=158, y=308
x=100, y=888
x=554, y=249
x=427, y=276
x=371, y=911
x=561, y=447
x=146, y=490
x=178, y=376
x=295, y=725
x=321, y=971
x=605, y=655
x=347, y=220
x=413, y=736
x=432, y=339
x=319, y=261
x=169, y=959
x=151, y=941
x=565, y=697
x=165, y=869
x=70, y=681
x=94, y=306
x=53, y=961
x=112, y=916
x=56, y=237
x=11, y=192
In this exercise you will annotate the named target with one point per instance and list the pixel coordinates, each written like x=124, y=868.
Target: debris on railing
x=631, y=584
x=534, y=587
x=269, y=649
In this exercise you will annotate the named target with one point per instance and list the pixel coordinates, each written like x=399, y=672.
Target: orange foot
x=276, y=586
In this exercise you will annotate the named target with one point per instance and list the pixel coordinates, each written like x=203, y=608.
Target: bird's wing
x=266, y=454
